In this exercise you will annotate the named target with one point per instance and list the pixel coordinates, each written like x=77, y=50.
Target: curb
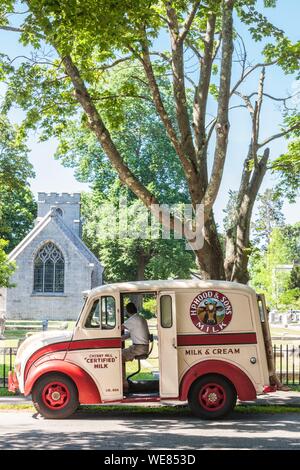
x=278, y=398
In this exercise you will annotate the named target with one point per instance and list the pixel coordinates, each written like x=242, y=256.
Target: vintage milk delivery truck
x=211, y=350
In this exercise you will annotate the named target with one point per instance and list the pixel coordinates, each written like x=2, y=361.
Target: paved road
x=27, y=430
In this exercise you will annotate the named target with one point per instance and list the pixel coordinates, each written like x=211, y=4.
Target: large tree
x=91, y=37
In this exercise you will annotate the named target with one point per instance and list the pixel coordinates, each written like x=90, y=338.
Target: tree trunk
x=141, y=264
x=246, y=200
x=210, y=258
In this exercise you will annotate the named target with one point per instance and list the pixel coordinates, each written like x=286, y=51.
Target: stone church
x=54, y=266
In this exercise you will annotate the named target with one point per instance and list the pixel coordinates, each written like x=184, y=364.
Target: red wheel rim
x=212, y=397
x=56, y=395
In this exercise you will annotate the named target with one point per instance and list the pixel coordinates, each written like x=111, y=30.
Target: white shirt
x=138, y=329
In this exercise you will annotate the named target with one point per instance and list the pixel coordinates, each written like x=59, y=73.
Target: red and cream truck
x=211, y=350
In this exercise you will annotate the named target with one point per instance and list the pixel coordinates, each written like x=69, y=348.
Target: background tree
x=6, y=267
x=287, y=166
x=291, y=234
x=17, y=205
x=268, y=274
x=56, y=90
x=133, y=259
x=268, y=216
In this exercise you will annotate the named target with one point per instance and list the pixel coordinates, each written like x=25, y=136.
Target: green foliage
x=285, y=53
x=291, y=234
x=268, y=274
x=139, y=136
x=268, y=216
x=287, y=166
x=17, y=205
x=230, y=210
x=6, y=267
x=294, y=281
x=258, y=24
x=126, y=258
x=17, y=214
x=214, y=91
x=15, y=169
x=149, y=308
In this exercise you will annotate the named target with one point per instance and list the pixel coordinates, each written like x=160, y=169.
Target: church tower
x=65, y=205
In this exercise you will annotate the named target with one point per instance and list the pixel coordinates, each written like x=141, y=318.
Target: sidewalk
x=16, y=400
x=291, y=398
x=277, y=398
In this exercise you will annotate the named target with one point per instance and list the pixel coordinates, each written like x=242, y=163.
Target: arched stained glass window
x=49, y=269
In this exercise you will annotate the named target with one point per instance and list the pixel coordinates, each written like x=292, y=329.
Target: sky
x=51, y=176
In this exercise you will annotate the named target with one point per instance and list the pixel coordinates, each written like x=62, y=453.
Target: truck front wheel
x=55, y=396
x=212, y=397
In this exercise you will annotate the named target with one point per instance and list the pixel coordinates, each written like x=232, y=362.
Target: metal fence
x=286, y=358
x=7, y=360
x=287, y=363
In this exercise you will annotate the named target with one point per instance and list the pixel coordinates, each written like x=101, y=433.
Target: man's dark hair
x=131, y=308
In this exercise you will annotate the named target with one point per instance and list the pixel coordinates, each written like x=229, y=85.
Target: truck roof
x=162, y=285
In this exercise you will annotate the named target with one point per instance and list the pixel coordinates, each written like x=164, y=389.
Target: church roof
x=53, y=217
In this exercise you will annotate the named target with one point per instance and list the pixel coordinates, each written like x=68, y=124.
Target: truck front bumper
x=13, y=384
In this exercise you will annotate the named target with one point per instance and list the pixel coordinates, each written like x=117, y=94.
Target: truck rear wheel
x=212, y=397
x=55, y=396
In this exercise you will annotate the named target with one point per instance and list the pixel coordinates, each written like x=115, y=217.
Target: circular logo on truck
x=211, y=311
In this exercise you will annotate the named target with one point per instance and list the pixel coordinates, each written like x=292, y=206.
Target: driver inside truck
x=136, y=328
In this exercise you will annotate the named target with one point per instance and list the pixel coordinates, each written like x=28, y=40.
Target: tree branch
x=201, y=94
x=97, y=126
x=11, y=28
x=222, y=124
x=179, y=86
x=248, y=103
x=152, y=83
x=107, y=97
x=276, y=99
x=189, y=20
x=246, y=74
x=277, y=136
x=256, y=116
x=113, y=64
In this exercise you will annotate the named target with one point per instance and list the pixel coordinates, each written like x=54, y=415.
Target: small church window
x=49, y=269
x=59, y=211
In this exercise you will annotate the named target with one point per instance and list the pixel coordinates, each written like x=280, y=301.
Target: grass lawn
x=12, y=336
x=285, y=331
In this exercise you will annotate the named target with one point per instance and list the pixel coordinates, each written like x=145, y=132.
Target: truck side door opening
x=143, y=373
